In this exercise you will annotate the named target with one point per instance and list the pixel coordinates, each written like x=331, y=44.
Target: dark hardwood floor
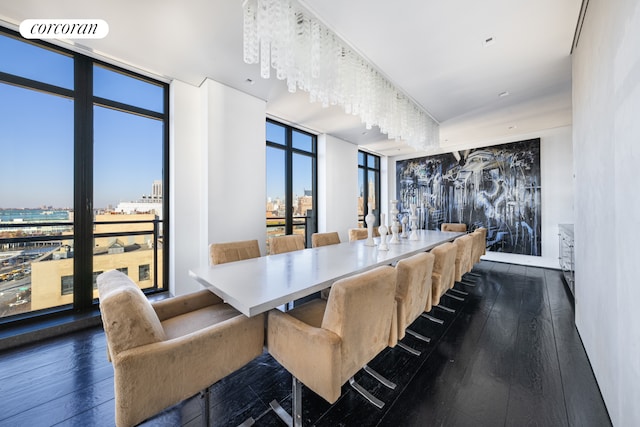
x=509, y=356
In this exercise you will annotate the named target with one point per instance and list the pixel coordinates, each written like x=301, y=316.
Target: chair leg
x=433, y=319
x=408, y=349
x=281, y=413
x=442, y=307
x=382, y=380
x=453, y=296
x=459, y=292
x=417, y=335
x=364, y=393
x=205, y=400
x=294, y=420
x=296, y=402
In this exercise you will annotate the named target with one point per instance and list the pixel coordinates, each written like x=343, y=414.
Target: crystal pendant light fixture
x=301, y=50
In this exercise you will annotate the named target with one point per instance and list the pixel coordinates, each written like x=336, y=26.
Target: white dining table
x=257, y=285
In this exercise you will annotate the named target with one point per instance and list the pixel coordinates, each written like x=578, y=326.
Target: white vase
x=395, y=224
x=405, y=226
x=370, y=219
x=414, y=223
x=383, y=234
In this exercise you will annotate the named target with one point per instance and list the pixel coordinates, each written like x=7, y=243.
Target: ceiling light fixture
x=503, y=94
x=310, y=57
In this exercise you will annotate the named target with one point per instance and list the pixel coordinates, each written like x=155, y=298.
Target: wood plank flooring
x=509, y=356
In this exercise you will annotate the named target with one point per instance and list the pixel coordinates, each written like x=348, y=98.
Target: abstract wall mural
x=496, y=187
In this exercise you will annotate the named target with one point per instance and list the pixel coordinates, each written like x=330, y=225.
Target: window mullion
x=83, y=184
x=288, y=214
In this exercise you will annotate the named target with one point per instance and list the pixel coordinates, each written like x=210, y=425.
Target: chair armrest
x=162, y=373
x=313, y=355
x=172, y=307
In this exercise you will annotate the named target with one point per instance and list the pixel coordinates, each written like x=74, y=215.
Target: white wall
x=606, y=104
x=184, y=186
x=217, y=174
x=556, y=169
x=218, y=169
x=337, y=186
x=236, y=165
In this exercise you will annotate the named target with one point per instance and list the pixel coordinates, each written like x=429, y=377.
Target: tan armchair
x=288, y=243
x=361, y=233
x=483, y=231
x=443, y=273
x=165, y=352
x=324, y=343
x=324, y=239
x=220, y=253
x=413, y=294
x=464, y=245
x=453, y=226
x=479, y=246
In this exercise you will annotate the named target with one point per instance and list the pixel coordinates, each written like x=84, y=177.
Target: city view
x=276, y=211
x=45, y=167
x=37, y=250
x=37, y=246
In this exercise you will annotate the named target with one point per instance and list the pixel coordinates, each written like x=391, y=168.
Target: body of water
x=33, y=215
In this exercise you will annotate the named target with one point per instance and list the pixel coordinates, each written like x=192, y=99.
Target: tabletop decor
x=383, y=230
x=395, y=224
x=370, y=219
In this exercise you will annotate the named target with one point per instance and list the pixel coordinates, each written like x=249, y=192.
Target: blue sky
x=275, y=164
x=36, y=141
x=275, y=173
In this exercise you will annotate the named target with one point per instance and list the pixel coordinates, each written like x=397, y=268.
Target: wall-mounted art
x=496, y=187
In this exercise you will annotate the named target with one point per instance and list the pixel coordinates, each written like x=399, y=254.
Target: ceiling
x=433, y=50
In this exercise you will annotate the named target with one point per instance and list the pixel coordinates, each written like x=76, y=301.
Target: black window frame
x=83, y=223
x=289, y=150
x=366, y=168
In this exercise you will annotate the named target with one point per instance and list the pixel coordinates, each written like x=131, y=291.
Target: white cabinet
x=566, y=254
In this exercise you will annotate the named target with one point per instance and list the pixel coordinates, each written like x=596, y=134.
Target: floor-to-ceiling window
x=83, y=162
x=368, y=186
x=291, y=181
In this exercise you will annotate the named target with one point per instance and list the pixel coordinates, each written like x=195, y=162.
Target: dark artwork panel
x=496, y=187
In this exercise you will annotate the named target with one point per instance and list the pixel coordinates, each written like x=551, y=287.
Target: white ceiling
x=431, y=49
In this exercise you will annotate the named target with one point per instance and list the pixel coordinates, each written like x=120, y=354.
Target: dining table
x=257, y=285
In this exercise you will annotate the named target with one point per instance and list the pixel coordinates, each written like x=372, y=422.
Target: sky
x=36, y=141
x=36, y=138
x=302, y=166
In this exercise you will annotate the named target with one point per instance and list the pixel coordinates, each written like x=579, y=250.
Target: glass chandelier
x=310, y=57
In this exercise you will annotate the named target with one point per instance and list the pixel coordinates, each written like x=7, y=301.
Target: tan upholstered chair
x=165, y=352
x=288, y=243
x=361, y=233
x=413, y=293
x=483, y=231
x=453, y=226
x=324, y=343
x=464, y=245
x=324, y=239
x=443, y=275
x=479, y=246
x=220, y=253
